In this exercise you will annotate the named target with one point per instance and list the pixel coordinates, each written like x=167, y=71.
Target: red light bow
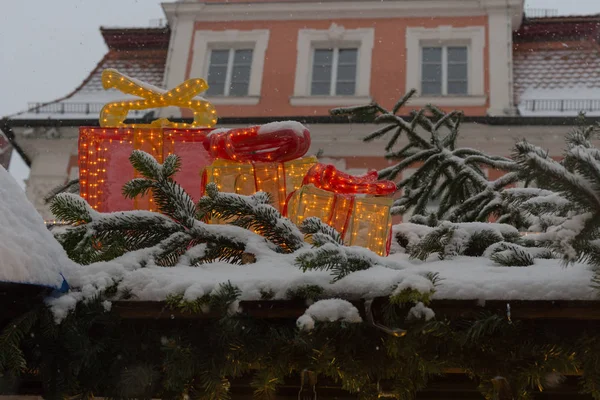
x=329, y=178
x=260, y=144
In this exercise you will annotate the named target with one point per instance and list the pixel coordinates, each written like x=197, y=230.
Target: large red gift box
x=104, y=165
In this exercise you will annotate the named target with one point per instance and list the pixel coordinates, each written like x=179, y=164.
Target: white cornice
x=313, y=10
x=329, y=100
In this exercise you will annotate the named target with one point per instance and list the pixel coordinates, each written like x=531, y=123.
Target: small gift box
x=261, y=158
x=356, y=206
x=104, y=151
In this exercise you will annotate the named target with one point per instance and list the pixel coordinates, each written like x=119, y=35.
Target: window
x=229, y=72
x=333, y=66
x=446, y=65
x=444, y=71
x=232, y=63
x=334, y=72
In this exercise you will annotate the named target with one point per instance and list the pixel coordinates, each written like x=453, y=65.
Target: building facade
x=296, y=59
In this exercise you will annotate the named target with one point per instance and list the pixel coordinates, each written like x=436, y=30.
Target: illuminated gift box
x=260, y=158
x=104, y=152
x=356, y=206
x=104, y=165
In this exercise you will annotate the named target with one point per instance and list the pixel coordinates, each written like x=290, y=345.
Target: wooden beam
x=452, y=309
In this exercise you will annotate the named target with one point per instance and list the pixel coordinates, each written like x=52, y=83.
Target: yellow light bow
x=113, y=114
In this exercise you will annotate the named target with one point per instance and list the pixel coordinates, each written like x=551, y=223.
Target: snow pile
x=294, y=126
x=420, y=311
x=461, y=278
x=28, y=251
x=328, y=310
x=272, y=273
x=479, y=278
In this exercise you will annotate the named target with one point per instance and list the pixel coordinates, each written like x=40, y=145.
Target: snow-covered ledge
x=449, y=101
x=329, y=100
x=232, y=100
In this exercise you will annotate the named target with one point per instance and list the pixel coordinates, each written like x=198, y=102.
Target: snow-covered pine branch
x=452, y=175
x=330, y=254
x=567, y=208
x=167, y=235
x=475, y=239
x=178, y=236
x=254, y=213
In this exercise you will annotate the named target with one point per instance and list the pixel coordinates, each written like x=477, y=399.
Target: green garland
x=94, y=352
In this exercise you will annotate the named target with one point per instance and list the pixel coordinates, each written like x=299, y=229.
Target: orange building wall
x=388, y=70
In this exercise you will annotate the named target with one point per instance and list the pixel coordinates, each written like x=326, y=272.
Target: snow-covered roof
x=557, y=66
x=28, y=251
x=138, y=53
x=555, y=82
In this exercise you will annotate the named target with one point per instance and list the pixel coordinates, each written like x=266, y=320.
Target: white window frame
x=334, y=67
x=229, y=72
x=444, y=63
x=472, y=37
x=206, y=41
x=336, y=36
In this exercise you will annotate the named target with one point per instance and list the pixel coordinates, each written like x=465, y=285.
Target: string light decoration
x=104, y=165
x=356, y=206
x=248, y=160
x=104, y=152
x=113, y=114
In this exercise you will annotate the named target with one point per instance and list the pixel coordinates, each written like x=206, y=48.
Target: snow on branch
x=466, y=194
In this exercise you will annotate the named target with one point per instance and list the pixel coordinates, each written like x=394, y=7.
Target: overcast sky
x=49, y=46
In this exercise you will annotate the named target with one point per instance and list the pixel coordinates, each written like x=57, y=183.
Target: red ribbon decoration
x=327, y=177
x=249, y=144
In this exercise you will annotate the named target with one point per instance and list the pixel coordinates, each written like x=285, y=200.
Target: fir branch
x=379, y=133
x=457, y=171
x=253, y=213
x=171, y=237
x=137, y=187
x=340, y=260
x=71, y=208
x=146, y=165
x=488, y=325
x=306, y=292
x=169, y=197
x=171, y=166
x=403, y=100
x=437, y=241
x=320, y=232
x=107, y=236
x=512, y=258
x=219, y=301
x=265, y=384
x=71, y=186
x=12, y=358
x=551, y=175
